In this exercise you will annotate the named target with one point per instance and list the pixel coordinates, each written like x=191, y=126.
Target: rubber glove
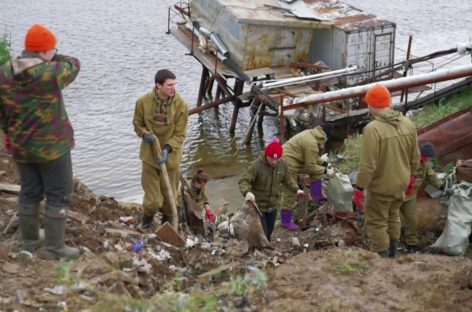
x=7, y=144
x=250, y=197
x=148, y=138
x=359, y=198
x=164, y=155
x=209, y=215
x=301, y=193
x=411, y=186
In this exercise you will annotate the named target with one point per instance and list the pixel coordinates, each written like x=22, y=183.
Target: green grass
x=4, y=50
x=445, y=107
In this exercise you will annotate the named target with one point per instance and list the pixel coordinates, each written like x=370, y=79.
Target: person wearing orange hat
x=34, y=119
x=261, y=183
x=389, y=158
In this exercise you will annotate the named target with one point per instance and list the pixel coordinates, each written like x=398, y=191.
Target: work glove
x=330, y=172
x=324, y=158
x=359, y=199
x=209, y=215
x=164, y=155
x=411, y=186
x=7, y=144
x=250, y=197
x=148, y=138
x=301, y=193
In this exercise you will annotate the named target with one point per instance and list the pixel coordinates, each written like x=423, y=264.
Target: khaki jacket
x=303, y=150
x=389, y=155
x=264, y=182
x=425, y=173
x=171, y=132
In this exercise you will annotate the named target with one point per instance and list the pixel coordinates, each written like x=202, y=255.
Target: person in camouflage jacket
x=34, y=119
x=408, y=209
x=262, y=181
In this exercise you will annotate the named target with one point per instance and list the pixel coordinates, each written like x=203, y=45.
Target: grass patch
x=4, y=49
x=445, y=107
x=351, y=155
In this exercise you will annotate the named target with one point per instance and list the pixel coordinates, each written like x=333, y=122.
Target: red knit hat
x=274, y=149
x=39, y=39
x=378, y=97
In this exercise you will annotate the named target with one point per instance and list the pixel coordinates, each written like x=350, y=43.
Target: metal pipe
x=216, y=40
x=294, y=80
x=392, y=85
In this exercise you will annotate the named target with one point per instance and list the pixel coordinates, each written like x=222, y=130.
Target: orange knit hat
x=39, y=39
x=378, y=97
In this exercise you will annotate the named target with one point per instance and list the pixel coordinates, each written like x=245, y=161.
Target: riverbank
x=314, y=270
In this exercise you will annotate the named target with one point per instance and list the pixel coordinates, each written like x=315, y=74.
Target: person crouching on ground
x=34, y=119
x=388, y=161
x=261, y=183
x=302, y=153
x=408, y=209
x=196, y=191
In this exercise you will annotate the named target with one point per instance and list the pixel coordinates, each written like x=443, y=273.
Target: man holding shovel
x=161, y=113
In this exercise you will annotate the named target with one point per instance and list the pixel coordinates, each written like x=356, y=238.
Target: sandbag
x=464, y=170
x=454, y=239
x=339, y=191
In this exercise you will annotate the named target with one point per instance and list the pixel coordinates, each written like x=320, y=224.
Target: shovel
x=166, y=232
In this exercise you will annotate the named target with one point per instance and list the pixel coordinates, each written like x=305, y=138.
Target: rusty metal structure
x=281, y=55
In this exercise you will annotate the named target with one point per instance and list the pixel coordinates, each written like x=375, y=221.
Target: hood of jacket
x=25, y=69
x=391, y=117
x=319, y=135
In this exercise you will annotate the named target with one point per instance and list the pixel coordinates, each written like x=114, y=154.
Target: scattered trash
x=142, y=265
x=295, y=242
x=191, y=243
x=163, y=255
x=127, y=220
x=56, y=290
x=138, y=246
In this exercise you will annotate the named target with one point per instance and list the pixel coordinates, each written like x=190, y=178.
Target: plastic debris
x=138, y=245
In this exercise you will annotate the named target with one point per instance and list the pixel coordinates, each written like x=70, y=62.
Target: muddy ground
x=319, y=269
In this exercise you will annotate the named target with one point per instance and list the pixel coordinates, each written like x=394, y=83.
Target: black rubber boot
x=411, y=249
x=392, y=249
x=29, y=227
x=383, y=254
x=54, y=245
x=146, y=222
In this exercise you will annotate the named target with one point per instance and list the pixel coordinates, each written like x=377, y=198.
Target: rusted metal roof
x=339, y=14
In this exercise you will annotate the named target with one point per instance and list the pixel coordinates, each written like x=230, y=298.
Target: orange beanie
x=39, y=39
x=378, y=97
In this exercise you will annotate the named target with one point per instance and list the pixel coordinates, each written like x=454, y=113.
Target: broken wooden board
x=169, y=235
x=10, y=188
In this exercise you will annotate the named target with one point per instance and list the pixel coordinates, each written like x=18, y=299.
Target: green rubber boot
x=54, y=245
x=29, y=227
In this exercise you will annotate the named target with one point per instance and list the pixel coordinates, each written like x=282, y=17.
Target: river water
x=122, y=43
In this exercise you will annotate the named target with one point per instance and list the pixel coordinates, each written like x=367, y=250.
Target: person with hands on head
x=408, y=208
x=162, y=113
x=389, y=157
x=39, y=135
x=261, y=182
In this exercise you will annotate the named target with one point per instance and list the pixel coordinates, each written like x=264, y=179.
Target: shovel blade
x=169, y=234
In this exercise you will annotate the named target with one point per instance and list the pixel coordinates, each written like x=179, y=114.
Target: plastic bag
x=454, y=239
x=339, y=191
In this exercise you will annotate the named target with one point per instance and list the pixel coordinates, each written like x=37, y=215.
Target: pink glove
x=411, y=186
x=7, y=144
x=359, y=199
x=301, y=194
x=209, y=215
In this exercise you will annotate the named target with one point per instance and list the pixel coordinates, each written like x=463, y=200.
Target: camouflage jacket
x=389, y=155
x=199, y=197
x=264, y=182
x=302, y=152
x=167, y=120
x=32, y=110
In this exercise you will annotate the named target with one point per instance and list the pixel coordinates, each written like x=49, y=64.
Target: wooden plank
x=10, y=188
x=219, y=269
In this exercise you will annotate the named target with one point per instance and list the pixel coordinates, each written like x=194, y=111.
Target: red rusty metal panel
x=452, y=136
